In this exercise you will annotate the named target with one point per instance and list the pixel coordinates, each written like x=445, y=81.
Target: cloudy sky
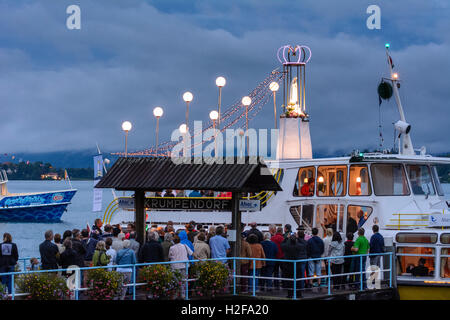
x=64, y=89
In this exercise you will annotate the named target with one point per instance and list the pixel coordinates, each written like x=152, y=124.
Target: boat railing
x=373, y=277
x=409, y=220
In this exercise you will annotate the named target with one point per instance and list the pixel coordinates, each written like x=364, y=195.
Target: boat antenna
x=380, y=127
x=402, y=126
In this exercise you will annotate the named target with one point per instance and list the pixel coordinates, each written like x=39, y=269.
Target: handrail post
x=390, y=269
x=78, y=279
x=254, y=274
x=187, y=278
x=234, y=276
x=360, y=272
x=329, y=276
x=134, y=282
x=13, y=289
x=295, y=280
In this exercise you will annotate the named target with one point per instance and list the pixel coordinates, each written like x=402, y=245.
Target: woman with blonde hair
x=100, y=258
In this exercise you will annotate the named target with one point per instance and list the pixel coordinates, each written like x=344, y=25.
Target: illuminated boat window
x=445, y=263
x=437, y=182
x=404, y=237
x=389, y=180
x=420, y=178
x=329, y=216
x=416, y=261
x=331, y=181
x=306, y=181
x=359, y=181
x=356, y=217
x=445, y=238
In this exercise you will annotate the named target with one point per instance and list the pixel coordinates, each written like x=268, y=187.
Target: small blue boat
x=32, y=207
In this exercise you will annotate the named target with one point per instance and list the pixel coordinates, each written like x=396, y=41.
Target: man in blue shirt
x=376, y=246
x=315, y=248
x=219, y=245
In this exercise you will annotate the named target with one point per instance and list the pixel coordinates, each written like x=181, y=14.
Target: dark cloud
x=63, y=89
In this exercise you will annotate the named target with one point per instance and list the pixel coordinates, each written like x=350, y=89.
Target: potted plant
x=43, y=286
x=161, y=281
x=3, y=292
x=104, y=284
x=213, y=278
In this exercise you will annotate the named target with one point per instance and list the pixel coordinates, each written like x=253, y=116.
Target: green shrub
x=3, y=292
x=43, y=286
x=213, y=277
x=161, y=281
x=104, y=284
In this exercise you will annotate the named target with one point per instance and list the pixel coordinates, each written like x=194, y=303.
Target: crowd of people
x=111, y=246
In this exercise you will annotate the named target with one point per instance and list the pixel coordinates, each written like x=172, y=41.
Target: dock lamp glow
x=220, y=82
x=246, y=101
x=157, y=112
x=126, y=126
x=274, y=86
x=187, y=97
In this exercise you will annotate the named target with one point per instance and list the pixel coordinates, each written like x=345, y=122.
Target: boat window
x=331, y=181
x=356, y=217
x=404, y=237
x=415, y=261
x=303, y=215
x=359, y=181
x=306, y=180
x=389, y=180
x=329, y=216
x=445, y=263
x=437, y=182
x=445, y=238
x=420, y=178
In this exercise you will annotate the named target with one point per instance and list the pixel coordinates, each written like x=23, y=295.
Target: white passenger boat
x=400, y=192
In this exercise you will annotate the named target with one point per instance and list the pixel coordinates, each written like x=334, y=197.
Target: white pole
x=407, y=143
x=104, y=168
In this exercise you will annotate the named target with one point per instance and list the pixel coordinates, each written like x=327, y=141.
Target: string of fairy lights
x=233, y=116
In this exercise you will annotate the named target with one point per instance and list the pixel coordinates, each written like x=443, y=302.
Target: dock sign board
x=439, y=220
x=126, y=203
x=195, y=204
x=249, y=205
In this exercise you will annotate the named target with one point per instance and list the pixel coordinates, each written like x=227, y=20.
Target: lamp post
x=157, y=112
x=246, y=101
x=187, y=97
x=274, y=86
x=220, y=82
x=214, y=115
x=183, y=130
x=126, y=126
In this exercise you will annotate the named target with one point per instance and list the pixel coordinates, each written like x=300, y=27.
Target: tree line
x=36, y=170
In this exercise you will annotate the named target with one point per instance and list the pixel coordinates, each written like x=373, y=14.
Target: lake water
x=28, y=236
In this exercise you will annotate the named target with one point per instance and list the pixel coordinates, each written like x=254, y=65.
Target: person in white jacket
x=179, y=252
x=336, y=249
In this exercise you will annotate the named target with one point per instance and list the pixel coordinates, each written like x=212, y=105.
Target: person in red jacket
x=278, y=239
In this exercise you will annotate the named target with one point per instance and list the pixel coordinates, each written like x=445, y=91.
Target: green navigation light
x=387, y=45
x=361, y=154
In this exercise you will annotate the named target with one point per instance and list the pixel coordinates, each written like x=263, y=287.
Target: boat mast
x=407, y=146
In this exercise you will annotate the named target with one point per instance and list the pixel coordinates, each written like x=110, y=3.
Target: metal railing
x=233, y=261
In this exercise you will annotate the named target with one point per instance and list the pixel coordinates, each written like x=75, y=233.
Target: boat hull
x=411, y=292
x=39, y=207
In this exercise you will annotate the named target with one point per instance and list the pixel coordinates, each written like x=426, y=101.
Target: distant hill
x=59, y=159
